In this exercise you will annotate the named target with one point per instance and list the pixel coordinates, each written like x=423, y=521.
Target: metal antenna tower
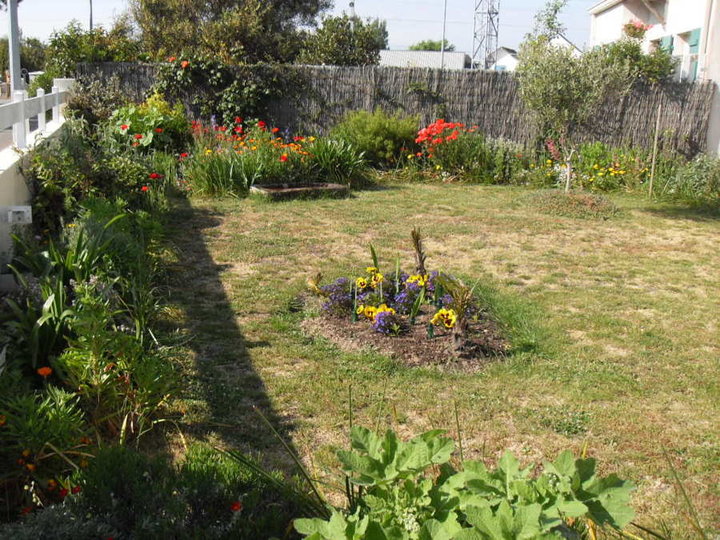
x=486, y=24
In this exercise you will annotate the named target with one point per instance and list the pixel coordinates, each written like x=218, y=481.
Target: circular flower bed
x=421, y=318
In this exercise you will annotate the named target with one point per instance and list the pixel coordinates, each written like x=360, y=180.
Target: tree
x=32, y=54
x=564, y=91
x=431, y=45
x=235, y=31
x=345, y=41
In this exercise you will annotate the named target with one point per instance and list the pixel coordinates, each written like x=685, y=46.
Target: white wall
x=506, y=62
x=606, y=27
x=710, y=70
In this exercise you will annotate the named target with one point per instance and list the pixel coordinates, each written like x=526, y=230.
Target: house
x=504, y=59
x=689, y=29
x=425, y=59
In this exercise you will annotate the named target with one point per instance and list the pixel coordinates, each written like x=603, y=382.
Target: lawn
x=624, y=312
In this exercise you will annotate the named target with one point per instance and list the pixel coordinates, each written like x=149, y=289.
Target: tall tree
x=239, y=31
x=345, y=41
x=431, y=45
x=564, y=91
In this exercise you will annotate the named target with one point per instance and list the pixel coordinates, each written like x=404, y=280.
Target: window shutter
x=667, y=43
x=694, y=41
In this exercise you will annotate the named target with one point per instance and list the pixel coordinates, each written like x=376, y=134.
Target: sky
x=408, y=21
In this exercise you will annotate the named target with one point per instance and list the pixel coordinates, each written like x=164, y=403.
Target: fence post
x=43, y=110
x=19, y=133
x=56, y=104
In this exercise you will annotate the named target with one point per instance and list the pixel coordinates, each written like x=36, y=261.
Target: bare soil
x=416, y=348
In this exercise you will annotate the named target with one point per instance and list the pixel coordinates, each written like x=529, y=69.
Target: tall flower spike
x=419, y=251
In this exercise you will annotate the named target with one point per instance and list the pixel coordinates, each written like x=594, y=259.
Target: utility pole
x=442, y=43
x=14, y=46
x=91, y=21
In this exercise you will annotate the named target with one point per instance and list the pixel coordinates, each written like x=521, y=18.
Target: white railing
x=19, y=112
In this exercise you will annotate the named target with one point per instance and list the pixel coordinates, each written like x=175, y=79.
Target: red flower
x=236, y=506
x=75, y=490
x=283, y=158
x=136, y=144
x=138, y=136
x=261, y=124
x=223, y=129
x=184, y=64
x=124, y=127
x=144, y=189
x=238, y=120
x=44, y=372
x=155, y=176
x=275, y=130
x=172, y=59
x=159, y=130
x=238, y=129
x=298, y=138
x=26, y=510
x=63, y=493
x=183, y=155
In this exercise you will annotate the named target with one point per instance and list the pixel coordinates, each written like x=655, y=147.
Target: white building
x=504, y=59
x=689, y=29
x=425, y=59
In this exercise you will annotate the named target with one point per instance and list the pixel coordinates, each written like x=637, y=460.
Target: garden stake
x=430, y=331
x=354, y=316
x=459, y=434
x=654, y=153
x=397, y=276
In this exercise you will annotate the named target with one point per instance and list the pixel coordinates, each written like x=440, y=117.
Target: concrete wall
x=14, y=191
x=710, y=70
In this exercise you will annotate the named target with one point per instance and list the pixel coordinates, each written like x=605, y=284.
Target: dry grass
x=630, y=306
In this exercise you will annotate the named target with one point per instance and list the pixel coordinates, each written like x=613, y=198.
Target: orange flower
x=44, y=372
x=283, y=158
x=144, y=189
x=275, y=129
x=184, y=64
x=172, y=59
x=3, y=420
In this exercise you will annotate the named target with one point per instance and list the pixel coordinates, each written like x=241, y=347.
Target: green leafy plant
x=384, y=139
x=153, y=124
x=392, y=496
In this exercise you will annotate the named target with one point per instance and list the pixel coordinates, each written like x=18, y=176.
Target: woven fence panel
x=486, y=99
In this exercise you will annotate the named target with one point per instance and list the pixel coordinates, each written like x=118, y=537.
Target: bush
x=383, y=139
x=95, y=100
x=697, y=182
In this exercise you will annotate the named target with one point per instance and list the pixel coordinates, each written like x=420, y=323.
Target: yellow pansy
x=361, y=283
x=445, y=317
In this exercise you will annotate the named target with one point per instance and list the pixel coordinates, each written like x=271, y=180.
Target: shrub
x=391, y=494
x=95, y=100
x=384, y=139
x=696, y=182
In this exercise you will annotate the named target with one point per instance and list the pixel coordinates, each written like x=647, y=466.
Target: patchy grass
x=573, y=204
x=628, y=357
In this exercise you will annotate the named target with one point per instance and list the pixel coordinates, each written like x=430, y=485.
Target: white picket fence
x=19, y=112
